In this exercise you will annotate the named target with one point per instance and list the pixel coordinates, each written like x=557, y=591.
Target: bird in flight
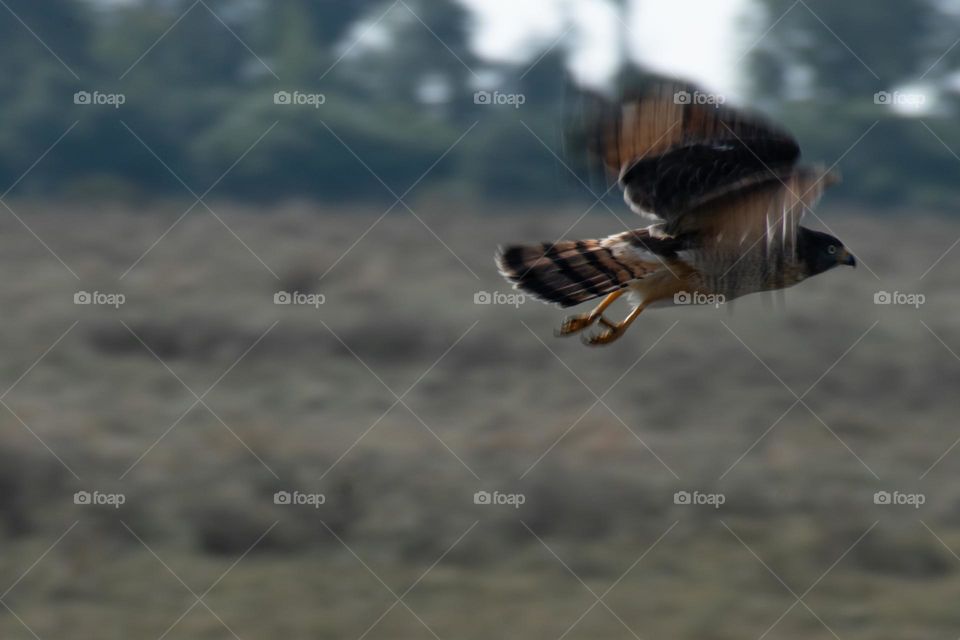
x=725, y=191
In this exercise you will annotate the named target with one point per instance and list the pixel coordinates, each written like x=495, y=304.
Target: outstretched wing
x=746, y=241
x=674, y=148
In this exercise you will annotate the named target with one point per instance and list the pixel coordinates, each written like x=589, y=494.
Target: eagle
x=725, y=191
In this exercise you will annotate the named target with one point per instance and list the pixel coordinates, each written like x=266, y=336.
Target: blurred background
x=261, y=379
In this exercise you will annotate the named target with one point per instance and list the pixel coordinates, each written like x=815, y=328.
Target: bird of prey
x=726, y=193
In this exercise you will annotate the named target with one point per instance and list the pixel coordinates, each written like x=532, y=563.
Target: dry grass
x=877, y=417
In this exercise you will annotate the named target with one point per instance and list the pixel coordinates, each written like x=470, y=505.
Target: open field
x=398, y=398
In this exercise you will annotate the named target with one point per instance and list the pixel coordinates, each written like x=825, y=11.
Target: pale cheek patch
x=636, y=208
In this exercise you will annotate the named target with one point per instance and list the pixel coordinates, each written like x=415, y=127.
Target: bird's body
x=727, y=197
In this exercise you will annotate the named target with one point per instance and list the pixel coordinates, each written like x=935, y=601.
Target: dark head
x=821, y=251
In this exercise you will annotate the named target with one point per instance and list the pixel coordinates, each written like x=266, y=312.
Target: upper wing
x=672, y=148
x=746, y=241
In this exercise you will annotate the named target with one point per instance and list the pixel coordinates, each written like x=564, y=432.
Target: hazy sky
x=697, y=39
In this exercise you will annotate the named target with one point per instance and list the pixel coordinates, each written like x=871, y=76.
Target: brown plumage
x=570, y=272
x=727, y=196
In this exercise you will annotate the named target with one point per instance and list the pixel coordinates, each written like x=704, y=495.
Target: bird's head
x=821, y=252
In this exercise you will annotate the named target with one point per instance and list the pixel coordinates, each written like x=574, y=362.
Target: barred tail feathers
x=567, y=272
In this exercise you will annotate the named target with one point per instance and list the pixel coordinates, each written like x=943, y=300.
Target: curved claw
x=575, y=324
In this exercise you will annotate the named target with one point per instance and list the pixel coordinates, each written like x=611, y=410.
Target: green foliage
x=821, y=65
x=851, y=48
x=399, y=81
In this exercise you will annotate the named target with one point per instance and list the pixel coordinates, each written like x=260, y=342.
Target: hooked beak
x=847, y=258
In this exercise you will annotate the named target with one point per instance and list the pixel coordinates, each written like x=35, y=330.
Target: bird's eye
x=832, y=249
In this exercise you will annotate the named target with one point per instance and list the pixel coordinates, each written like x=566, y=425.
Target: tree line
x=365, y=99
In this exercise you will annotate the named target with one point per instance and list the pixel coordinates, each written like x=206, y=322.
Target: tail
x=566, y=273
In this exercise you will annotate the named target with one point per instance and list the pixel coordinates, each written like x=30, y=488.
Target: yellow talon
x=613, y=331
x=576, y=324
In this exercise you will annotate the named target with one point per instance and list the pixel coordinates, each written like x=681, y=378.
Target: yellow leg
x=576, y=324
x=613, y=331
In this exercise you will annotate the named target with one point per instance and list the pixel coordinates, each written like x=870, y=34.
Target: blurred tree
x=845, y=49
x=62, y=25
x=304, y=36
x=181, y=70
x=375, y=103
x=423, y=55
x=399, y=82
x=532, y=171
x=36, y=88
x=821, y=67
